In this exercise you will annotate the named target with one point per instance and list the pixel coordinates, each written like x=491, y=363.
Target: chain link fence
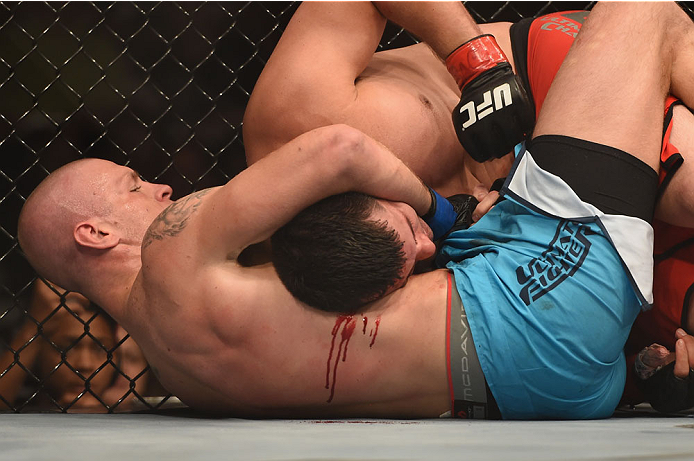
x=158, y=86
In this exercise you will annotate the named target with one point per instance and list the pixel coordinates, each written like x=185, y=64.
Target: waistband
x=610, y=179
x=471, y=397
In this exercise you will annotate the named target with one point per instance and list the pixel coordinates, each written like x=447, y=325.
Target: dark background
x=161, y=87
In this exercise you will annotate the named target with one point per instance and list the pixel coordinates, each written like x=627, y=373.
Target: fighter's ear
x=94, y=234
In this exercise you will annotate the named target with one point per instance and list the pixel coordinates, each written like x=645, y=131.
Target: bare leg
x=443, y=25
x=612, y=86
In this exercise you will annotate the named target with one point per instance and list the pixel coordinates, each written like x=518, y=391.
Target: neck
x=111, y=281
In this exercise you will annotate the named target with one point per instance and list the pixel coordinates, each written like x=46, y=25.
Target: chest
x=406, y=105
x=405, y=98
x=415, y=74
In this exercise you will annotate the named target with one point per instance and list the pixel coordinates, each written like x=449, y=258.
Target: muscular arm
x=324, y=71
x=317, y=164
x=310, y=77
x=443, y=25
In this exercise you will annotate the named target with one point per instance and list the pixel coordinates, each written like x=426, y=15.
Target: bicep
x=315, y=165
x=324, y=48
x=263, y=197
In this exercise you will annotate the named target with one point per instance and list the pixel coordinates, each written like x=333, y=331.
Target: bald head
x=47, y=221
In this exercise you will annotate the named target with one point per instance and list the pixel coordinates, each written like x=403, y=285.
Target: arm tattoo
x=173, y=219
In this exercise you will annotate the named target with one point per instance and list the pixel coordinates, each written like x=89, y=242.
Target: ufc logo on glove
x=502, y=98
x=482, y=71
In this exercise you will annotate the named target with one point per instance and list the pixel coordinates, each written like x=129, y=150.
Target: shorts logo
x=569, y=23
x=569, y=29
x=502, y=98
x=566, y=253
x=465, y=378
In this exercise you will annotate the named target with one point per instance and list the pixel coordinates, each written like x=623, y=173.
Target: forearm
x=358, y=163
x=318, y=164
x=337, y=159
x=376, y=171
x=442, y=25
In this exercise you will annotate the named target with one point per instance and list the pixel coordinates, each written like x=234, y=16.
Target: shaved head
x=85, y=223
x=67, y=196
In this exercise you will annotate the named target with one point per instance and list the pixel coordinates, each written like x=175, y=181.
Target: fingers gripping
x=684, y=354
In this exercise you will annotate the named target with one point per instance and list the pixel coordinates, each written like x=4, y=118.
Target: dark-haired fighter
x=229, y=338
x=552, y=278
x=322, y=74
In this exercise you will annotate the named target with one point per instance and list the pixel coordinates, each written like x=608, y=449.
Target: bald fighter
x=224, y=337
x=229, y=338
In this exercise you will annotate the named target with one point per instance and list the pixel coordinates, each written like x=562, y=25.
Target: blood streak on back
x=344, y=325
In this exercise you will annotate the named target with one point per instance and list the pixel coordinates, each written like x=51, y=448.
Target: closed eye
x=136, y=179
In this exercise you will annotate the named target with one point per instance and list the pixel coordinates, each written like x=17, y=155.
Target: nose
x=425, y=247
x=162, y=192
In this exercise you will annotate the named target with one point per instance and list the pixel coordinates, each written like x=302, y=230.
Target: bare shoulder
x=174, y=219
x=170, y=251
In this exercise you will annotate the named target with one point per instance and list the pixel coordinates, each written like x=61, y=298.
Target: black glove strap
x=666, y=392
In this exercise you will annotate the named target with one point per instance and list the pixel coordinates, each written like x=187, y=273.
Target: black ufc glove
x=668, y=393
x=464, y=205
x=494, y=113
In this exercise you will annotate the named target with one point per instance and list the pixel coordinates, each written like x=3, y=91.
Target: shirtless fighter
x=324, y=71
x=403, y=98
x=224, y=337
x=551, y=278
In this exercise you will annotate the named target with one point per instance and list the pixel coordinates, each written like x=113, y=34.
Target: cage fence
x=157, y=86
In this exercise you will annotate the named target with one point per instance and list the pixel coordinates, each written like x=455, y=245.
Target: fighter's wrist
x=473, y=57
x=441, y=216
x=432, y=206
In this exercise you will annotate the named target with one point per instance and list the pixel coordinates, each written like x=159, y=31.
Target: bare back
x=240, y=343
x=230, y=338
